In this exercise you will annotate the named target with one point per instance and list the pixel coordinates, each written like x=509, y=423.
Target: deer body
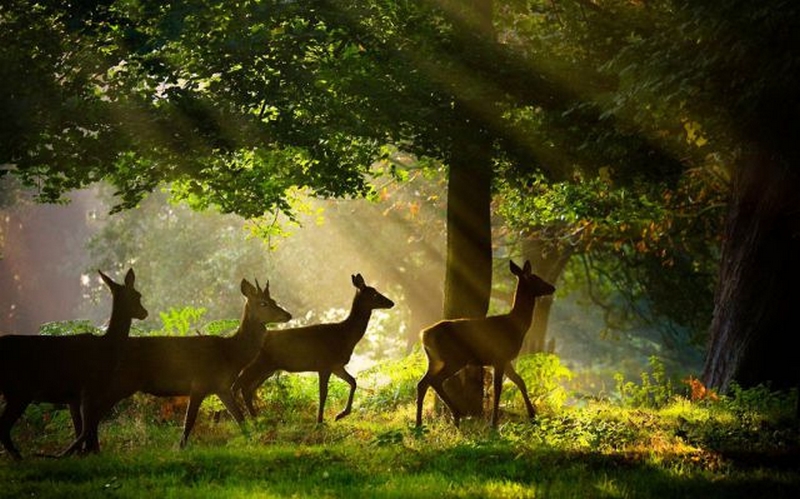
x=321, y=348
x=66, y=369
x=451, y=345
x=196, y=367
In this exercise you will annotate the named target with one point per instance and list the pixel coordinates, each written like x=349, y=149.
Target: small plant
x=545, y=376
x=655, y=391
x=180, y=321
x=395, y=381
x=761, y=399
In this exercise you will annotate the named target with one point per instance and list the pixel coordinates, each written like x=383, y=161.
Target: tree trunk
x=468, y=276
x=548, y=263
x=755, y=309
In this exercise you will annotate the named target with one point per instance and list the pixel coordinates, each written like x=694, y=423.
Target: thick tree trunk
x=548, y=263
x=755, y=312
x=468, y=276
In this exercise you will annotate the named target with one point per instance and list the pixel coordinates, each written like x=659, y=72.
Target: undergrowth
x=656, y=438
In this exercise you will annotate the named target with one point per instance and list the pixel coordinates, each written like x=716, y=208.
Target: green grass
x=745, y=447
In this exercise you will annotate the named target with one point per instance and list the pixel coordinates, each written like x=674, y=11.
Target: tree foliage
x=628, y=113
x=236, y=105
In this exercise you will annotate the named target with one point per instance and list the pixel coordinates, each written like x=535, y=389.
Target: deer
x=193, y=366
x=321, y=348
x=68, y=370
x=451, y=345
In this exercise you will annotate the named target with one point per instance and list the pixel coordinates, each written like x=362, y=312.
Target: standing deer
x=492, y=341
x=321, y=348
x=193, y=366
x=69, y=370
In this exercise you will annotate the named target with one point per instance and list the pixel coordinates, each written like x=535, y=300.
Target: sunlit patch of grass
x=724, y=448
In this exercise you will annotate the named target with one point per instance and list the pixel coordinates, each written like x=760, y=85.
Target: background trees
x=608, y=131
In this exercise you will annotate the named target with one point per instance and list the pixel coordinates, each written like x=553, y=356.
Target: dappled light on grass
x=377, y=454
x=725, y=448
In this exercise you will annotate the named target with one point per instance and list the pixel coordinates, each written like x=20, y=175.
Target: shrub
x=393, y=383
x=655, y=391
x=179, y=321
x=545, y=375
x=67, y=328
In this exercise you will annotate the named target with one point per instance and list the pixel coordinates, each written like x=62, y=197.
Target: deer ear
x=358, y=281
x=514, y=267
x=527, y=267
x=109, y=282
x=130, y=277
x=247, y=288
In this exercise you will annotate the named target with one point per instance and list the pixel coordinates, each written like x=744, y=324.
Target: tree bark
x=755, y=311
x=468, y=278
x=468, y=275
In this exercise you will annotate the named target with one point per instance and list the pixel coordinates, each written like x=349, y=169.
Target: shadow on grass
x=472, y=470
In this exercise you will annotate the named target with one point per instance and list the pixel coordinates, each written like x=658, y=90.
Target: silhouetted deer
x=492, y=341
x=66, y=369
x=194, y=366
x=321, y=348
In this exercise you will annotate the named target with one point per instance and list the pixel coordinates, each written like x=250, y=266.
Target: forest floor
x=743, y=446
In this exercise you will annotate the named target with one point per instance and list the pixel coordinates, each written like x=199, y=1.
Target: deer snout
x=140, y=314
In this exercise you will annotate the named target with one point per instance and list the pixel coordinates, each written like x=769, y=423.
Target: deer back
x=171, y=366
x=323, y=346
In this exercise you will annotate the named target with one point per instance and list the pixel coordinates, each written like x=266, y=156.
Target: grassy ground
x=744, y=447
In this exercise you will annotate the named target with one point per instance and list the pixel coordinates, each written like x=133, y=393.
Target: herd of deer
x=91, y=373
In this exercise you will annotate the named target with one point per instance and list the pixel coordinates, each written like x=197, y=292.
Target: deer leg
x=434, y=368
x=75, y=445
x=87, y=441
x=229, y=401
x=498, y=388
x=101, y=409
x=324, y=376
x=14, y=409
x=341, y=373
x=91, y=442
x=195, y=400
x=251, y=377
x=422, y=389
x=249, y=392
x=75, y=414
x=80, y=438
x=91, y=421
x=436, y=381
x=517, y=380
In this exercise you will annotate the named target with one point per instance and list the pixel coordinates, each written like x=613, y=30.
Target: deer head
x=126, y=296
x=260, y=307
x=530, y=282
x=369, y=297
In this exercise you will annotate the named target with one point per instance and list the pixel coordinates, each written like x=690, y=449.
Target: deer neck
x=522, y=310
x=119, y=325
x=356, y=322
x=250, y=332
